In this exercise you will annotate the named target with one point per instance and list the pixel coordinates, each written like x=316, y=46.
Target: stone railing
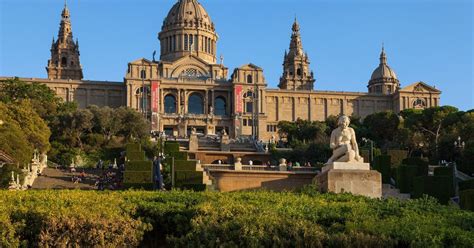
x=32, y=171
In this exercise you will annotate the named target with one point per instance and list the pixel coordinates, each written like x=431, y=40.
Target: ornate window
x=419, y=104
x=196, y=104
x=170, y=104
x=185, y=42
x=64, y=62
x=191, y=73
x=220, y=106
x=298, y=72
x=143, y=99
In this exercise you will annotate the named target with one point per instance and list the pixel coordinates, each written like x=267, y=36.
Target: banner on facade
x=154, y=96
x=238, y=99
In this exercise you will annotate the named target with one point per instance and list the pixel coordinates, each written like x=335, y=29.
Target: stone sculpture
x=344, y=144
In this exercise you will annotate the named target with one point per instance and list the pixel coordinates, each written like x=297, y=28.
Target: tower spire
x=383, y=56
x=64, y=62
x=296, y=72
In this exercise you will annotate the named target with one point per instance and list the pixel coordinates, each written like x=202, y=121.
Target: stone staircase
x=389, y=191
x=206, y=179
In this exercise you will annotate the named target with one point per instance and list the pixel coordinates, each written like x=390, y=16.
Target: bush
x=243, y=219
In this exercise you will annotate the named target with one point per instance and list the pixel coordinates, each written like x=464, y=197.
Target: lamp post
x=458, y=145
x=371, y=153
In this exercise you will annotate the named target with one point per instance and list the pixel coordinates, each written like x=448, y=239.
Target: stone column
x=310, y=109
x=206, y=103
x=178, y=101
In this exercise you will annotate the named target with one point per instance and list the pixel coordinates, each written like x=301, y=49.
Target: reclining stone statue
x=344, y=144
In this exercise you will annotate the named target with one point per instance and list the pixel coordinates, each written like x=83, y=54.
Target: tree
x=383, y=127
x=22, y=131
x=43, y=99
x=430, y=122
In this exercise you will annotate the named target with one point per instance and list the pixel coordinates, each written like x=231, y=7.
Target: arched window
x=220, y=106
x=191, y=42
x=63, y=62
x=248, y=102
x=195, y=104
x=142, y=74
x=170, y=104
x=298, y=72
x=249, y=79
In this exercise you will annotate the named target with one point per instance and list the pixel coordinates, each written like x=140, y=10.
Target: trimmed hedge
x=139, y=166
x=421, y=164
x=137, y=177
x=444, y=171
x=382, y=165
x=241, y=219
x=397, y=156
x=466, y=200
x=133, y=147
x=136, y=156
x=138, y=171
x=405, y=177
x=171, y=146
x=179, y=155
x=465, y=185
x=439, y=187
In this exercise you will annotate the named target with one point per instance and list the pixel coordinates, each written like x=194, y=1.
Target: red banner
x=238, y=99
x=154, y=96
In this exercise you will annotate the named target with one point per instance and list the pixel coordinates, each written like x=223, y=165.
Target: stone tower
x=383, y=80
x=64, y=62
x=188, y=30
x=296, y=72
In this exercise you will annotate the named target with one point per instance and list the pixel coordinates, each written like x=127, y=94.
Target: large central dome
x=188, y=29
x=188, y=12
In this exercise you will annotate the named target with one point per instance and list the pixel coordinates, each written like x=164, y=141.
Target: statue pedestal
x=355, y=178
x=193, y=143
x=225, y=143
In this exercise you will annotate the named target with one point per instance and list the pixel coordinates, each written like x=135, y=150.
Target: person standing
x=157, y=177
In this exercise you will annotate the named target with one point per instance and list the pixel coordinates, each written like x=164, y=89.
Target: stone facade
x=188, y=87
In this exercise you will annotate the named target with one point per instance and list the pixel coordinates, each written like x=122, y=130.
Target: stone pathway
x=61, y=179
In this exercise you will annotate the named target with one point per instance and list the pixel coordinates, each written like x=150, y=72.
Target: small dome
x=188, y=13
x=383, y=71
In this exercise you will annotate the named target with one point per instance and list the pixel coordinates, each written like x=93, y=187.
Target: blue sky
x=425, y=40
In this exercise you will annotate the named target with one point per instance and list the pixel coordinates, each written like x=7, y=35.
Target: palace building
x=190, y=87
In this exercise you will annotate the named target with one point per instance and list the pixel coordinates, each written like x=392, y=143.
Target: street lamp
x=459, y=144
x=371, y=155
